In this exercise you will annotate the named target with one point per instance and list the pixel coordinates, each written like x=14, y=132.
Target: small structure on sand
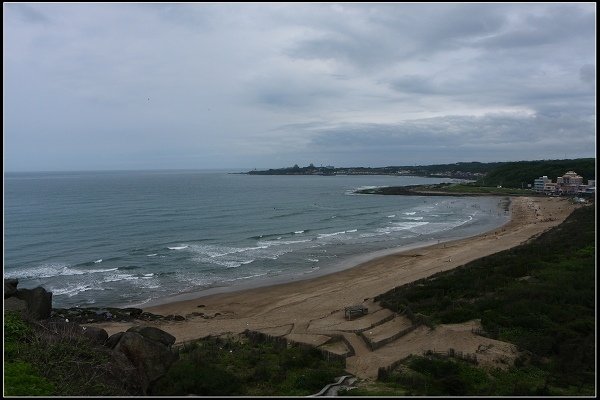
x=355, y=311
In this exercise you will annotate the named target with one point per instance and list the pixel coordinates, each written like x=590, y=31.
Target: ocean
x=136, y=238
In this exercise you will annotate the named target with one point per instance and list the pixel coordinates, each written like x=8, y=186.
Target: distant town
x=568, y=184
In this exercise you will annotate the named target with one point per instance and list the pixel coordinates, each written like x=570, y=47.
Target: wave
x=232, y=264
x=391, y=216
x=178, y=247
x=72, y=290
x=267, y=244
x=51, y=270
x=120, y=277
x=151, y=255
x=98, y=261
x=233, y=257
x=410, y=213
x=400, y=226
x=325, y=235
x=278, y=235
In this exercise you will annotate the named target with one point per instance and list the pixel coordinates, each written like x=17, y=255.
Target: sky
x=130, y=86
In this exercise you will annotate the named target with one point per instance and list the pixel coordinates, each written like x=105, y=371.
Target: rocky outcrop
x=14, y=304
x=38, y=301
x=155, y=334
x=10, y=287
x=88, y=315
x=143, y=353
x=149, y=351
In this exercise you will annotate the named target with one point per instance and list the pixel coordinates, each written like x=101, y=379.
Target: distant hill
x=514, y=174
x=520, y=173
x=464, y=170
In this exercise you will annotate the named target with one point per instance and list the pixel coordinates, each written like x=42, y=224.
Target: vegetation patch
x=228, y=367
x=539, y=296
x=41, y=360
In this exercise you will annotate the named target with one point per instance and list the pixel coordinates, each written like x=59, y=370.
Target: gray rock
x=39, y=302
x=112, y=341
x=95, y=334
x=153, y=333
x=10, y=287
x=14, y=304
x=151, y=358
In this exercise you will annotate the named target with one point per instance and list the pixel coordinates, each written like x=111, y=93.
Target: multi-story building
x=569, y=183
x=539, y=184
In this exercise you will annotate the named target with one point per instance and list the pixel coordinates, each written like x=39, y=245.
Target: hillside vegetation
x=539, y=296
x=520, y=173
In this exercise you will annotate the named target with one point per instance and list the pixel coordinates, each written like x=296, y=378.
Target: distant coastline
x=468, y=171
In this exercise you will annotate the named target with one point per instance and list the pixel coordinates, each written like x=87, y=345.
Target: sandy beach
x=312, y=311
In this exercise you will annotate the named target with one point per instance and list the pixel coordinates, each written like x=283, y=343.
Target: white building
x=540, y=183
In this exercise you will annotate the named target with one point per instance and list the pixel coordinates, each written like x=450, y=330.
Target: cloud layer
x=134, y=86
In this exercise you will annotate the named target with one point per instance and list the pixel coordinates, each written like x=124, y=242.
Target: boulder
x=151, y=358
x=153, y=333
x=97, y=335
x=10, y=287
x=39, y=302
x=112, y=341
x=14, y=304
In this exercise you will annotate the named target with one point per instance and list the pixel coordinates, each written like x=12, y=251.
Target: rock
x=39, y=302
x=153, y=333
x=10, y=287
x=95, y=334
x=151, y=358
x=134, y=312
x=112, y=341
x=14, y=304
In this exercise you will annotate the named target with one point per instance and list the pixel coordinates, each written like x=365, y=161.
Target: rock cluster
x=145, y=352
x=35, y=303
x=88, y=315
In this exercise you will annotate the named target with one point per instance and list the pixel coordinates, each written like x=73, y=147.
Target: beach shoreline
x=294, y=307
x=348, y=262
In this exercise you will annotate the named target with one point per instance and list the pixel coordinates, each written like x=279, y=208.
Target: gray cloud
x=187, y=85
x=587, y=74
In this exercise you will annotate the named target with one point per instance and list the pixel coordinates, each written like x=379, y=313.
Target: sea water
x=133, y=238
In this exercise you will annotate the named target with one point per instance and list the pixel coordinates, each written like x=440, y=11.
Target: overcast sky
x=268, y=85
